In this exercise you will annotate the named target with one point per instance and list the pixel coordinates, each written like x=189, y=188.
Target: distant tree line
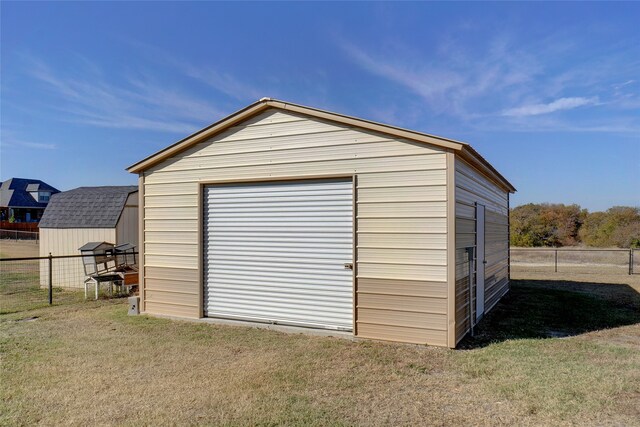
x=569, y=225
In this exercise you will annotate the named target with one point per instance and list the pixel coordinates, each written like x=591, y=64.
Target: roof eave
x=464, y=149
x=266, y=103
x=473, y=157
x=200, y=135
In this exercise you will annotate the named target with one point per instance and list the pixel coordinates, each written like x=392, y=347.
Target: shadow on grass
x=550, y=308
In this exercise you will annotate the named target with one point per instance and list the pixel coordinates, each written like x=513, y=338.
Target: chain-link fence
x=29, y=283
x=575, y=260
x=19, y=235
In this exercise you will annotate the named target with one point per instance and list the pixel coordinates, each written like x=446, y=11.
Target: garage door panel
x=280, y=281
x=279, y=236
x=316, y=226
x=276, y=252
x=280, y=212
x=265, y=188
x=266, y=195
x=271, y=296
x=275, y=202
x=237, y=245
x=273, y=314
x=281, y=313
x=293, y=289
x=258, y=270
x=277, y=258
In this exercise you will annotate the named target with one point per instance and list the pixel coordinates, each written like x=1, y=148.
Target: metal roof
x=14, y=193
x=461, y=148
x=92, y=246
x=87, y=207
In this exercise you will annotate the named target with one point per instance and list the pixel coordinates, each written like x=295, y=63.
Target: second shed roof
x=87, y=207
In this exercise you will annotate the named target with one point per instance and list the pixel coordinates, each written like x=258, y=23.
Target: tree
x=546, y=224
x=619, y=226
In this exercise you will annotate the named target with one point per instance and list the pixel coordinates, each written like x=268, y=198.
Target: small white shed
x=85, y=214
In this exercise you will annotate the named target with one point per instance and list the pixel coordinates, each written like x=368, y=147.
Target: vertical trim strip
x=354, y=230
x=200, y=208
x=141, y=241
x=508, y=243
x=451, y=249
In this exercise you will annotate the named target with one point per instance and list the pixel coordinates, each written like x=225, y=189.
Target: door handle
x=484, y=262
x=348, y=266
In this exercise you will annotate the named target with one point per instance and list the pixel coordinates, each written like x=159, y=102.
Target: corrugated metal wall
x=276, y=252
x=471, y=188
x=401, y=217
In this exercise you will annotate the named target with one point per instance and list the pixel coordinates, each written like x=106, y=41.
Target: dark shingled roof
x=86, y=207
x=14, y=192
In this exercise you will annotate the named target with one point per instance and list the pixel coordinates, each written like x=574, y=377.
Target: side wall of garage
x=472, y=188
x=401, y=286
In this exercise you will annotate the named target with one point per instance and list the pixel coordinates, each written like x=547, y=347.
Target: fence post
x=50, y=279
x=556, y=261
x=630, y=261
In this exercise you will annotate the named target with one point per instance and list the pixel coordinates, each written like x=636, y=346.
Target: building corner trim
x=451, y=249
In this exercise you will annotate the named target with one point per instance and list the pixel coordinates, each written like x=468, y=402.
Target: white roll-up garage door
x=276, y=252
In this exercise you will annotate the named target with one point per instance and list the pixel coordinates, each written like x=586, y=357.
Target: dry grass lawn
x=90, y=363
x=20, y=288
x=18, y=248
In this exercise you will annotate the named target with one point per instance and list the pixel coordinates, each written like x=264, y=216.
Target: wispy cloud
x=121, y=102
x=223, y=82
x=557, y=105
x=426, y=82
x=10, y=139
x=38, y=145
x=500, y=82
x=219, y=80
x=448, y=85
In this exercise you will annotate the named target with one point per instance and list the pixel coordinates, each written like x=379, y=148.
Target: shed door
x=276, y=252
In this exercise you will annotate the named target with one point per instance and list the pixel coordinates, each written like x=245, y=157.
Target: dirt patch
x=28, y=319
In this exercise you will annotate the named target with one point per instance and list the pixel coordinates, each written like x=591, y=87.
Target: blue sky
x=548, y=93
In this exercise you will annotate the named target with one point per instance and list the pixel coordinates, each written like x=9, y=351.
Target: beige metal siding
x=68, y=272
x=400, y=203
x=471, y=188
x=127, y=228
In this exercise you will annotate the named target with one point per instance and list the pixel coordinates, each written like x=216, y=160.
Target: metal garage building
x=292, y=215
x=82, y=215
